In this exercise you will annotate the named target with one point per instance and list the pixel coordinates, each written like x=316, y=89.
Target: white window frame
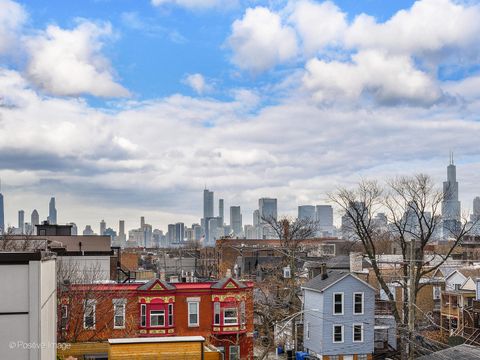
x=333, y=334
x=93, y=304
x=237, y=357
x=217, y=312
x=64, y=317
x=123, y=304
x=197, y=306
x=243, y=314
x=161, y=313
x=363, y=303
x=230, y=318
x=361, y=332
x=143, y=315
x=343, y=303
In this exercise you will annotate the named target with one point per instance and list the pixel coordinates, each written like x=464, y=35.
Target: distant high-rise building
x=198, y=232
x=88, y=231
x=356, y=209
x=103, y=227
x=256, y=218
x=267, y=208
x=476, y=209
x=220, y=210
x=122, y=236
x=52, y=212
x=35, y=219
x=110, y=232
x=450, y=203
x=207, y=204
x=142, y=222
x=236, y=220
x=2, y=213
x=21, y=221
x=171, y=236
x=179, y=232
x=74, y=230
x=215, y=230
x=324, y=217
x=306, y=212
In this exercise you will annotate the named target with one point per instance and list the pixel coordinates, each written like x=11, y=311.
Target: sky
x=124, y=108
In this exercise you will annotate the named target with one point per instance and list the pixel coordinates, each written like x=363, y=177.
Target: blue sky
x=130, y=107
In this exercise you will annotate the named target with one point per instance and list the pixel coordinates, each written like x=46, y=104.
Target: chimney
x=323, y=271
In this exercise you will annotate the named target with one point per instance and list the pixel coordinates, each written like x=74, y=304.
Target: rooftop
x=464, y=352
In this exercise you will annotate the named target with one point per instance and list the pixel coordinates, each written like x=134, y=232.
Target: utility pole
x=411, y=286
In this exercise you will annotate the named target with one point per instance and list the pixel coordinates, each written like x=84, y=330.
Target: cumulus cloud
x=387, y=79
x=198, y=83
x=319, y=24
x=195, y=4
x=259, y=40
x=70, y=62
x=12, y=17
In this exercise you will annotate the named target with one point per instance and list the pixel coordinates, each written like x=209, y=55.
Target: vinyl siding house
x=339, y=316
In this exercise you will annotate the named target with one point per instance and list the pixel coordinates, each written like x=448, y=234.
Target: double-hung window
x=216, y=313
x=230, y=316
x=119, y=313
x=358, y=303
x=170, y=314
x=243, y=315
x=337, y=303
x=89, y=314
x=157, y=318
x=357, y=332
x=193, y=313
x=338, y=333
x=143, y=315
x=64, y=321
x=234, y=352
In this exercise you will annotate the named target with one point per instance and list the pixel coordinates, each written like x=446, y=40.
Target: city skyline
x=284, y=113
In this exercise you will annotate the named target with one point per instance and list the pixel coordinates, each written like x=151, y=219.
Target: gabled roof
x=334, y=276
x=464, y=352
x=156, y=284
x=228, y=283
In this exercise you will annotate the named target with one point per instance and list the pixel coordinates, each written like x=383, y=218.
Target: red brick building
x=221, y=311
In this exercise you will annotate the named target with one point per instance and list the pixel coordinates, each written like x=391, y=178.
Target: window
x=357, y=332
x=362, y=357
x=192, y=313
x=119, y=313
x=216, y=313
x=64, y=321
x=143, y=315
x=358, y=303
x=337, y=333
x=157, y=318
x=307, y=329
x=337, y=303
x=234, y=352
x=243, y=316
x=437, y=290
x=170, y=314
x=230, y=316
x=89, y=314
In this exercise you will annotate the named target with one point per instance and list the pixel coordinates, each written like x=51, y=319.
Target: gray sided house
x=339, y=316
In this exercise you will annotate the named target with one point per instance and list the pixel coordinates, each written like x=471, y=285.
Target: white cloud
x=196, y=4
x=318, y=24
x=198, y=83
x=70, y=62
x=12, y=17
x=260, y=41
x=387, y=79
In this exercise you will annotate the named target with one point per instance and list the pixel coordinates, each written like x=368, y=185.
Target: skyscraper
x=2, y=216
x=21, y=221
x=122, y=237
x=179, y=232
x=324, y=217
x=171, y=234
x=52, y=212
x=476, y=209
x=236, y=220
x=207, y=204
x=103, y=227
x=450, y=203
x=35, y=219
x=306, y=212
x=267, y=208
x=220, y=210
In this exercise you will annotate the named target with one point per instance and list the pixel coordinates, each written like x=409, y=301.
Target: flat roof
x=164, y=339
x=24, y=257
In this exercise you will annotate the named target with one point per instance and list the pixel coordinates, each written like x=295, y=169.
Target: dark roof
x=149, y=284
x=464, y=352
x=220, y=284
x=17, y=258
x=318, y=283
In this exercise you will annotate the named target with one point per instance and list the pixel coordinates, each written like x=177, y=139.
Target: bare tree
x=412, y=208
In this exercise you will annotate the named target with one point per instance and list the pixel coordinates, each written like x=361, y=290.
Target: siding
x=313, y=300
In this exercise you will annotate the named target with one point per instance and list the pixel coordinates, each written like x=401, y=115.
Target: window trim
x=243, y=313
x=64, y=317
x=143, y=315
x=94, y=313
x=333, y=334
x=170, y=314
x=217, y=311
x=236, y=317
x=230, y=352
x=343, y=303
x=361, y=332
x=363, y=303
x=197, y=306
x=115, y=304
x=161, y=315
